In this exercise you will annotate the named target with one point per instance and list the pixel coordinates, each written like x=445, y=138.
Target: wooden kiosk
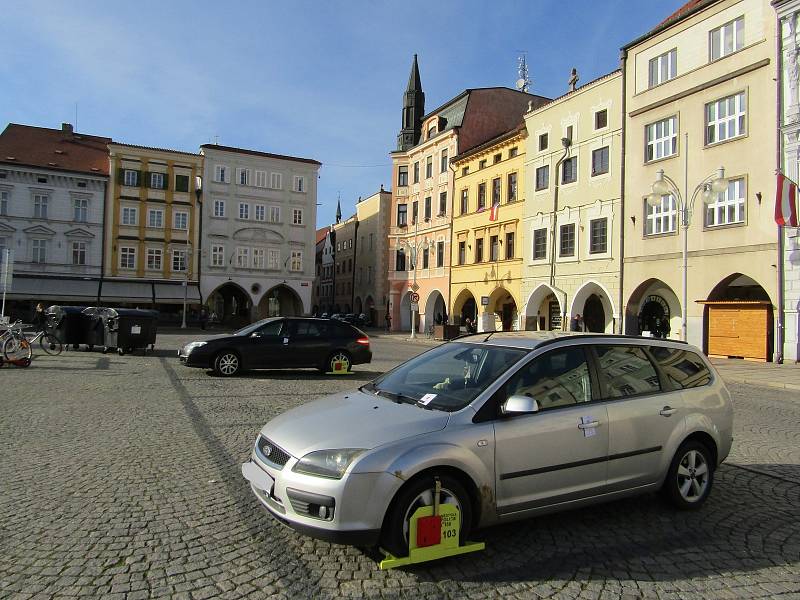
x=739, y=328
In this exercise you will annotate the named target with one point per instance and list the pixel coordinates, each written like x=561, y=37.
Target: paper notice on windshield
x=426, y=399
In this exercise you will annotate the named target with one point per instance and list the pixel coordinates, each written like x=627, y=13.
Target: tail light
x=364, y=341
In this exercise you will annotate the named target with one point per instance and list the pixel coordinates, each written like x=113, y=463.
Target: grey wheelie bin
x=69, y=324
x=130, y=329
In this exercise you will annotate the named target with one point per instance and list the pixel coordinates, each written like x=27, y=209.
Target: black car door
x=309, y=345
x=265, y=347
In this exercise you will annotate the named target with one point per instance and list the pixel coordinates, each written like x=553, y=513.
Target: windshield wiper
x=396, y=396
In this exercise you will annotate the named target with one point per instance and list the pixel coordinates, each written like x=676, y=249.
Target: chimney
x=66, y=128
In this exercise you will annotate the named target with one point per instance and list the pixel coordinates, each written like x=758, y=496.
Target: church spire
x=413, y=110
x=338, y=210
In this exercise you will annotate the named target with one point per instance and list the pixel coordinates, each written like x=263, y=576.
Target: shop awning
x=172, y=293
x=52, y=288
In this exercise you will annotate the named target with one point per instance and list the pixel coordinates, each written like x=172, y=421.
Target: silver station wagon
x=510, y=424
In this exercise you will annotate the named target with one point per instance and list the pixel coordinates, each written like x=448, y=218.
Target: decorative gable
x=79, y=233
x=39, y=230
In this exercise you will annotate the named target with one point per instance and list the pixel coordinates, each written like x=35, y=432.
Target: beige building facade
x=344, y=239
x=372, y=256
x=573, y=212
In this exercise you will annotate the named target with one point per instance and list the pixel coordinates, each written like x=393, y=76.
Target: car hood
x=350, y=420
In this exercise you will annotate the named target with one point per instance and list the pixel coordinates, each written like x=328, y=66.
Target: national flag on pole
x=494, y=212
x=786, y=202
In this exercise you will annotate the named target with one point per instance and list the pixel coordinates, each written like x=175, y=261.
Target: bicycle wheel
x=51, y=344
x=16, y=348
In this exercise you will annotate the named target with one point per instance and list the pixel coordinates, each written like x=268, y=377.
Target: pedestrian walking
x=39, y=318
x=388, y=319
x=203, y=317
x=576, y=323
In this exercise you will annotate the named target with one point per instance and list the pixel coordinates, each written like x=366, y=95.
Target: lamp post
x=708, y=188
x=413, y=250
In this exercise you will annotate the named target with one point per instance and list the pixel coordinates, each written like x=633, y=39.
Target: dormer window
x=431, y=131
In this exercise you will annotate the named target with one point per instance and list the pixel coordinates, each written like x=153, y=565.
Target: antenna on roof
x=524, y=81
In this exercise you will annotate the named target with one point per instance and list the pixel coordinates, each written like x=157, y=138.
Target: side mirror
x=519, y=405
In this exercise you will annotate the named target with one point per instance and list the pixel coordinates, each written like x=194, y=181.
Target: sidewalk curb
x=759, y=383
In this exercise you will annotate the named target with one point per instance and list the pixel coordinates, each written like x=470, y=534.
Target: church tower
x=413, y=111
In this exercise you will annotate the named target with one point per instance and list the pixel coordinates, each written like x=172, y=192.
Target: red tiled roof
x=321, y=233
x=54, y=149
x=680, y=12
x=259, y=153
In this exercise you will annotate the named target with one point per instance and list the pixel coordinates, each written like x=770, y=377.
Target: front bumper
x=196, y=358
x=356, y=504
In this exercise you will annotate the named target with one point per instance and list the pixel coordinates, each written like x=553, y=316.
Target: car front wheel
x=690, y=476
x=227, y=363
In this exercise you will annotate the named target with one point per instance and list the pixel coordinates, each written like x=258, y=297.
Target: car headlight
x=191, y=346
x=327, y=463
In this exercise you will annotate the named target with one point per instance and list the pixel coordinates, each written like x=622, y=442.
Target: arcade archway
x=593, y=302
x=464, y=307
x=435, y=310
x=653, y=309
x=230, y=305
x=544, y=309
x=280, y=301
x=503, y=311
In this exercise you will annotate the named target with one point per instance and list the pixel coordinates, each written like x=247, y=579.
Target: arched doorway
x=503, y=310
x=405, y=312
x=280, y=301
x=464, y=307
x=230, y=305
x=544, y=309
x=435, y=310
x=593, y=302
x=653, y=309
x=594, y=316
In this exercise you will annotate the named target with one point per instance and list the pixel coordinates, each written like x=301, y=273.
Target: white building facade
x=258, y=233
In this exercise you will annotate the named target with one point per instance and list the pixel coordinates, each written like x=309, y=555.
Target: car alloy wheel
x=692, y=476
x=227, y=364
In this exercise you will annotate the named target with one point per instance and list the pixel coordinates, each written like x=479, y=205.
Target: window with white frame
x=127, y=257
x=130, y=177
x=260, y=212
x=661, y=139
x=3, y=202
x=155, y=218
x=219, y=208
x=598, y=236
x=39, y=251
x=275, y=181
x=217, y=255
x=726, y=39
x=221, y=174
x=261, y=179
x=40, y=206
x=274, y=214
x=661, y=218
x=297, y=216
x=243, y=176
x=180, y=220
x=299, y=184
x=78, y=253
x=80, y=209
x=242, y=257
x=296, y=263
x=727, y=207
x=663, y=68
x=179, y=260
x=273, y=258
x=258, y=258
x=129, y=215
x=725, y=118
x=157, y=181
x=154, y=259
x=244, y=210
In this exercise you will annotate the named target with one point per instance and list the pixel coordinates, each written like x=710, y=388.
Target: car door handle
x=589, y=425
x=667, y=411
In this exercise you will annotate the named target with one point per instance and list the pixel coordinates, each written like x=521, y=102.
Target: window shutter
x=227, y=175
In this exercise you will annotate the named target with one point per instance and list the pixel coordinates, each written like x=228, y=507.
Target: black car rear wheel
x=227, y=363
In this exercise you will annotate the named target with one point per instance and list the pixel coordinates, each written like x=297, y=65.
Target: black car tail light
x=364, y=341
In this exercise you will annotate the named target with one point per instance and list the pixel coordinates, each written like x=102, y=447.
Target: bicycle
x=17, y=345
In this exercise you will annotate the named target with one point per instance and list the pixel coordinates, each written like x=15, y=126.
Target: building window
x=478, y=249
x=727, y=207
x=425, y=258
x=154, y=259
x=129, y=215
x=130, y=177
x=157, y=181
x=3, y=202
x=429, y=167
x=513, y=152
x=601, y=119
x=569, y=132
x=243, y=176
x=244, y=210
x=261, y=179
x=400, y=260
x=600, y=161
x=428, y=208
x=297, y=216
x=217, y=255
x=221, y=174
x=464, y=201
x=219, y=208
x=369, y=274
x=542, y=178
x=416, y=172
x=569, y=170
x=481, y=196
x=78, y=253
x=275, y=181
x=402, y=215
x=567, y=240
x=443, y=162
x=661, y=218
x=80, y=210
x=482, y=164
x=155, y=218
x=512, y=187
x=181, y=183
x=497, y=158
x=40, y=206
x=542, y=142
x=402, y=176
x=663, y=68
x=726, y=39
x=260, y=212
x=274, y=259
x=494, y=248
x=442, y=204
x=414, y=211
x=465, y=171
x=662, y=139
x=598, y=236
x=370, y=240
x=725, y=118
x=462, y=252
x=299, y=184
x=179, y=260
x=39, y=251
x=495, y=191
x=258, y=258
x=242, y=257
x=431, y=131
x=439, y=254
x=180, y=220
x=274, y=214
x=510, y=245
x=127, y=257
x=539, y=244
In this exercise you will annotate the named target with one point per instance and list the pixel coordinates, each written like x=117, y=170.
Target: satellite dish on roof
x=521, y=84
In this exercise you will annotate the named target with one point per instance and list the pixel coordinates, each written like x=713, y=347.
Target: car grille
x=271, y=453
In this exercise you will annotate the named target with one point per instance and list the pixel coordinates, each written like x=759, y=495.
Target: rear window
x=626, y=371
x=343, y=329
x=684, y=368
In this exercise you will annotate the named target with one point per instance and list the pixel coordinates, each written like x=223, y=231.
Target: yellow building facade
x=486, y=252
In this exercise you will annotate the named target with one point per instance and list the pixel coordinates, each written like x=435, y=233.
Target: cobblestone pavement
x=119, y=477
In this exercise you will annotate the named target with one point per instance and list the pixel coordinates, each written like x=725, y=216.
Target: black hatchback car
x=281, y=343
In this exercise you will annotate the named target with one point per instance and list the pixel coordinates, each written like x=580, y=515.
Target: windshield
x=254, y=326
x=448, y=377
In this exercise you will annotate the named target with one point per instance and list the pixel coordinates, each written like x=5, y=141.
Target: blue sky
x=316, y=79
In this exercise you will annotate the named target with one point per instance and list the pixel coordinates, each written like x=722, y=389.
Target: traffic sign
x=414, y=287
x=414, y=297
x=414, y=306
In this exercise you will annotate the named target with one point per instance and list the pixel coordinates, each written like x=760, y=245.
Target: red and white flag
x=495, y=212
x=786, y=202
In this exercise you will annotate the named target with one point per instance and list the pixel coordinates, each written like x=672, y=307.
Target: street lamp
x=708, y=188
x=413, y=250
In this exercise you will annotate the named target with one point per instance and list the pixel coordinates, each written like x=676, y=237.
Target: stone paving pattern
x=119, y=478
